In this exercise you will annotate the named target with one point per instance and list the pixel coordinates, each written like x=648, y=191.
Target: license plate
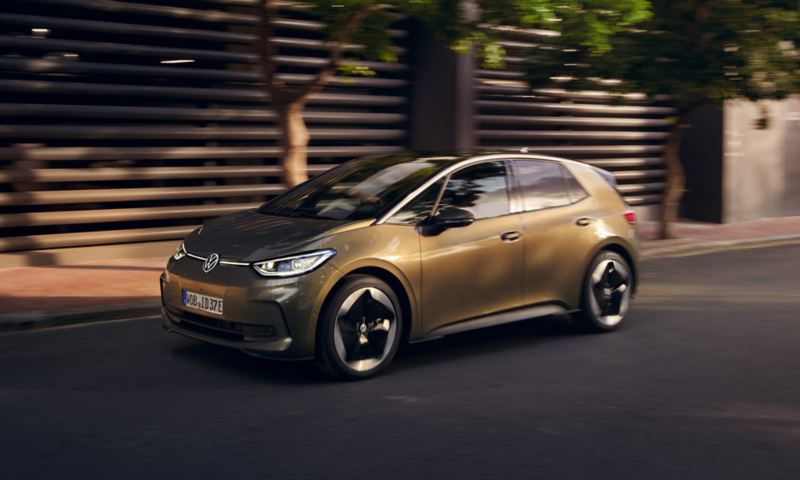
x=201, y=302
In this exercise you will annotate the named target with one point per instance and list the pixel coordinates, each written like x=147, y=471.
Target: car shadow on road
x=290, y=372
x=494, y=340
x=499, y=339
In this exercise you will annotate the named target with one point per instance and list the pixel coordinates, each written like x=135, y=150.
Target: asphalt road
x=702, y=383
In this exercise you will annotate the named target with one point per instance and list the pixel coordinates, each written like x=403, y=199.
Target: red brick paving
x=690, y=233
x=85, y=285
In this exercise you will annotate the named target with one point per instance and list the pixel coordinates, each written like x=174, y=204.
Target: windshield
x=356, y=190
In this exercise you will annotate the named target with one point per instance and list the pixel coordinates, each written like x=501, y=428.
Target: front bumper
x=264, y=316
x=258, y=338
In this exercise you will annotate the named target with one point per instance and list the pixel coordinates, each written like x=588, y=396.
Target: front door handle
x=583, y=221
x=509, y=237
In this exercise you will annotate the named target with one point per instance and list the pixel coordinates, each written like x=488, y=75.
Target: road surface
x=703, y=382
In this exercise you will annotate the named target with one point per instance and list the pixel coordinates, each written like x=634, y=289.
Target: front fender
x=381, y=267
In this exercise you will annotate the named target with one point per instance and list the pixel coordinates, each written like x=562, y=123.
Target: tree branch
x=340, y=41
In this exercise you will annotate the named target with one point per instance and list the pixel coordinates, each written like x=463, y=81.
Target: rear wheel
x=606, y=292
x=360, y=329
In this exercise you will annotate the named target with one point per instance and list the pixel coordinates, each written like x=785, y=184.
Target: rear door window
x=541, y=184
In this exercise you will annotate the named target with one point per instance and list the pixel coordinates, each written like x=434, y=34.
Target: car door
x=471, y=271
x=554, y=209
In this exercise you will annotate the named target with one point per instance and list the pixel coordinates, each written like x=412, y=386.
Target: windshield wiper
x=303, y=214
x=289, y=213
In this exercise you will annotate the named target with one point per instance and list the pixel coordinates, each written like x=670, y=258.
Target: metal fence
x=623, y=134
x=134, y=121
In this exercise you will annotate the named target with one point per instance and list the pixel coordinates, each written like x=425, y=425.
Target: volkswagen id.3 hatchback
x=382, y=250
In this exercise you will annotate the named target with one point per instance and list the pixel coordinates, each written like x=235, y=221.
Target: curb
x=686, y=250
x=15, y=322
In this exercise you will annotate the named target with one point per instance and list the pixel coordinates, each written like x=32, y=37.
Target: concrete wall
x=737, y=171
x=761, y=167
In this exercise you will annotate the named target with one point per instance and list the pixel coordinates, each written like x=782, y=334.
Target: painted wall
x=761, y=172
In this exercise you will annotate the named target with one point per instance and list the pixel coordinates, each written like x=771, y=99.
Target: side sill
x=494, y=319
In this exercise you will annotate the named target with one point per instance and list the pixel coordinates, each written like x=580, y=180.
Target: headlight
x=180, y=252
x=294, y=265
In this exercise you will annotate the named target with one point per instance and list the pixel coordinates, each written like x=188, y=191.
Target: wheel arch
x=617, y=246
x=385, y=275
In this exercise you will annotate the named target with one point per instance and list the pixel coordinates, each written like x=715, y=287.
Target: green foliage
x=695, y=51
x=462, y=23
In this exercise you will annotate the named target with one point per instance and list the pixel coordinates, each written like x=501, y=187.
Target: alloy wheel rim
x=610, y=291
x=365, y=328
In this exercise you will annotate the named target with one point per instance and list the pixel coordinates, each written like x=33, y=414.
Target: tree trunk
x=290, y=102
x=676, y=180
x=294, y=142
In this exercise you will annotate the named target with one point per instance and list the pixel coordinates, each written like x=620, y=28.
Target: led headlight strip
x=293, y=265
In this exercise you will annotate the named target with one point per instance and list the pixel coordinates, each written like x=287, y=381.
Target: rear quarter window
x=574, y=188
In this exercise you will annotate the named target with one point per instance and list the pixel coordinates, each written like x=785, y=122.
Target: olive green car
x=382, y=250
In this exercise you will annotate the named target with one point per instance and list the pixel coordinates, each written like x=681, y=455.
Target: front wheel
x=606, y=292
x=360, y=328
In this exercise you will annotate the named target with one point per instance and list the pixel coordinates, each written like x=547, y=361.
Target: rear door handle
x=509, y=237
x=583, y=221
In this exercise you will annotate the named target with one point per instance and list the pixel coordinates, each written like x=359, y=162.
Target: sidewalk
x=55, y=295
x=33, y=297
x=696, y=237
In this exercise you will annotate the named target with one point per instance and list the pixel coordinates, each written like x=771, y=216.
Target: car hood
x=250, y=236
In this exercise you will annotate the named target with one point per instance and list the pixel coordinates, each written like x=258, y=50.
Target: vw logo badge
x=211, y=262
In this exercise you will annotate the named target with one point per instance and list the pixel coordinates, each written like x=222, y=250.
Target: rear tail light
x=630, y=217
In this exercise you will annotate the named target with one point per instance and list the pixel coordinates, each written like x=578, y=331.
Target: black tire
x=352, y=367
x=598, y=301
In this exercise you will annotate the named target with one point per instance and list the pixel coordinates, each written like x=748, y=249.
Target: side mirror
x=448, y=218
x=453, y=218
